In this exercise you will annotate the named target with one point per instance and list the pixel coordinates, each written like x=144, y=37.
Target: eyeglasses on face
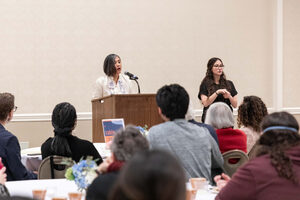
x=15, y=108
x=221, y=66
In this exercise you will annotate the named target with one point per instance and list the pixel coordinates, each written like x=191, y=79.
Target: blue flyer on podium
x=110, y=127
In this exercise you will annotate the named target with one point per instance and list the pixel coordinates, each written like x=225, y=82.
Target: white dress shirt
x=105, y=86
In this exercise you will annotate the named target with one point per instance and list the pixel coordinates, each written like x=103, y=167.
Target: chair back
x=52, y=168
x=233, y=159
x=253, y=151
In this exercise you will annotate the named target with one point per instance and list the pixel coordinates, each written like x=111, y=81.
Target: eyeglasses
x=15, y=108
x=221, y=66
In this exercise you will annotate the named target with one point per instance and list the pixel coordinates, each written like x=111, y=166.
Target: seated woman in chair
x=63, y=143
x=125, y=144
x=274, y=173
x=221, y=118
x=250, y=114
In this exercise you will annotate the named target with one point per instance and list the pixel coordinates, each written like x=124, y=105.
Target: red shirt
x=230, y=139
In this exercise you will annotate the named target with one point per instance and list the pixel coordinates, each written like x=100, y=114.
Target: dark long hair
x=276, y=142
x=150, y=175
x=209, y=78
x=63, y=120
x=251, y=112
x=109, y=64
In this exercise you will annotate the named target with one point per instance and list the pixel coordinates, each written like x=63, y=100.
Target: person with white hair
x=220, y=116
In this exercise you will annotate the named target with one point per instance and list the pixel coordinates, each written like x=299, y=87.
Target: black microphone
x=131, y=76
x=135, y=78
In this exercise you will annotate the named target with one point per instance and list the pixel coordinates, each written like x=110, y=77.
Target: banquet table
x=61, y=188
x=32, y=158
x=205, y=195
x=54, y=187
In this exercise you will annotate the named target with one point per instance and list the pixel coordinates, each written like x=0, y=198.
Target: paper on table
x=31, y=151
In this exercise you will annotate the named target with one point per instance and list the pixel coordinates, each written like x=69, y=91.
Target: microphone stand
x=137, y=85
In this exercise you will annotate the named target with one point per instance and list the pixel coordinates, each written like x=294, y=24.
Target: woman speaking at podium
x=114, y=82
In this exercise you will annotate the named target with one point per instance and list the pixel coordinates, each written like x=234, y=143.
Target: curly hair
x=276, y=142
x=251, y=112
x=209, y=78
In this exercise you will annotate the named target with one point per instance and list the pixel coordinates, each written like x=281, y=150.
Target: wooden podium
x=136, y=109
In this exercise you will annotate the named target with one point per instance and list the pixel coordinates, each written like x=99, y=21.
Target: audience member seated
x=151, y=175
x=9, y=144
x=221, y=118
x=3, y=190
x=250, y=114
x=190, y=116
x=274, y=173
x=125, y=144
x=192, y=145
x=63, y=143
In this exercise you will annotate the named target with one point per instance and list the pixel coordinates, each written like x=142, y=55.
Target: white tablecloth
x=35, y=151
x=31, y=157
x=205, y=195
x=54, y=187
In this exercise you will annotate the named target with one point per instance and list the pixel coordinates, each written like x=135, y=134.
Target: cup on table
x=59, y=198
x=75, y=195
x=191, y=194
x=39, y=194
x=199, y=183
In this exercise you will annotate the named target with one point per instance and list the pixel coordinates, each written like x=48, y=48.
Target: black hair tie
x=63, y=131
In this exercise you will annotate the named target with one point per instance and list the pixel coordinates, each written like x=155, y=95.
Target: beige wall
x=53, y=50
x=37, y=132
x=291, y=52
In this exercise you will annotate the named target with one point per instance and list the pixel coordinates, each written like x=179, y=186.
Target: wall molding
x=83, y=116
x=45, y=117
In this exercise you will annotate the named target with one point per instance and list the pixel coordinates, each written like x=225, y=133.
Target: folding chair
x=52, y=168
x=240, y=157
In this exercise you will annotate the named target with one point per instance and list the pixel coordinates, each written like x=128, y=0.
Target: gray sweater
x=193, y=146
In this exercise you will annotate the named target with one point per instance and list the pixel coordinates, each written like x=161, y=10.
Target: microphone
x=131, y=76
x=135, y=78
